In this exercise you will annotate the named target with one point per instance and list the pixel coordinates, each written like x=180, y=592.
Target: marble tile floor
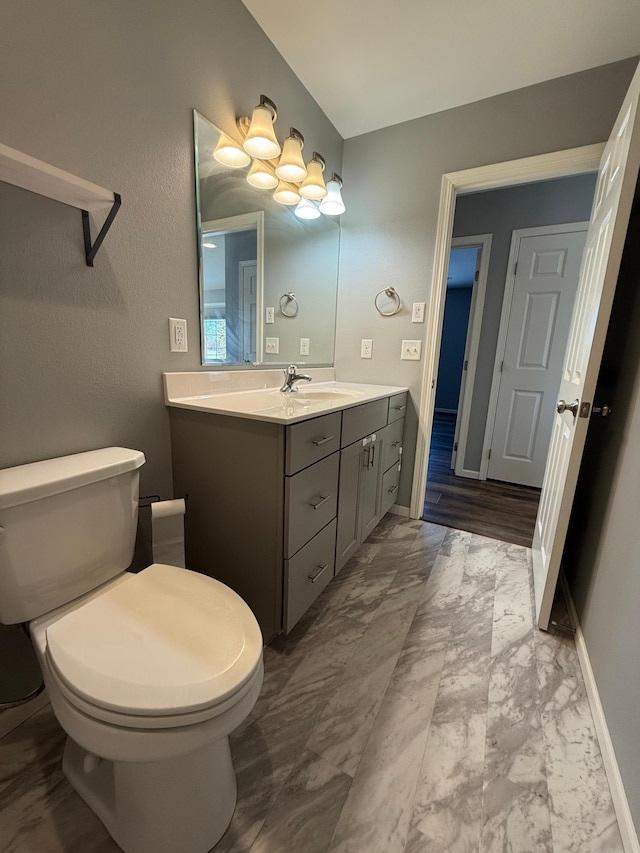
x=414, y=708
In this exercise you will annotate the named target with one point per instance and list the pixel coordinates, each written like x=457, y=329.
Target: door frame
x=517, y=235
x=472, y=342
x=557, y=164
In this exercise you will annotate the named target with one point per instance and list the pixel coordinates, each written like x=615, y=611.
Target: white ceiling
x=373, y=63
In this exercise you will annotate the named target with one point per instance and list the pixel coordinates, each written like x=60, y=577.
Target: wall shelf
x=34, y=175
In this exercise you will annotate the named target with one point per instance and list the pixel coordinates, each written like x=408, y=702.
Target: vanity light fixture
x=313, y=185
x=229, y=153
x=260, y=138
x=291, y=166
x=306, y=209
x=332, y=204
x=262, y=176
x=209, y=245
x=286, y=194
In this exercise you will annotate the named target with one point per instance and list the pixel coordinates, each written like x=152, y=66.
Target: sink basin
x=328, y=393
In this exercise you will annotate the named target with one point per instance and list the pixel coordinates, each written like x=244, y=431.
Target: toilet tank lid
x=36, y=480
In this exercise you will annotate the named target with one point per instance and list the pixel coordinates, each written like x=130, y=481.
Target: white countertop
x=271, y=404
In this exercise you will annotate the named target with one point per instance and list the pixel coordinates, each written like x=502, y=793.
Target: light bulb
x=262, y=176
x=229, y=153
x=291, y=166
x=332, y=204
x=307, y=210
x=286, y=194
x=261, y=140
x=313, y=185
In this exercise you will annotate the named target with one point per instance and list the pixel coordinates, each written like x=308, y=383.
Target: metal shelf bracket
x=91, y=250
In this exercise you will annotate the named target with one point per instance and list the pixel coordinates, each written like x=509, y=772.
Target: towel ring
x=393, y=294
x=289, y=297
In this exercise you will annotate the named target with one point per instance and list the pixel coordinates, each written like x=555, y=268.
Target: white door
x=537, y=314
x=248, y=299
x=615, y=188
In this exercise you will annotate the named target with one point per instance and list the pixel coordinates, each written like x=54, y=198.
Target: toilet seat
x=165, y=647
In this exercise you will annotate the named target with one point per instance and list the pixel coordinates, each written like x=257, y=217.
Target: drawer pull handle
x=396, y=444
x=399, y=408
x=392, y=489
x=321, y=569
x=319, y=441
x=323, y=500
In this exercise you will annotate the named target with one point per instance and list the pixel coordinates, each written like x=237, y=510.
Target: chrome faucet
x=291, y=375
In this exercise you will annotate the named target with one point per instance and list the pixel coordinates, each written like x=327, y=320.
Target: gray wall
x=105, y=90
x=454, y=337
x=392, y=191
x=602, y=554
x=499, y=212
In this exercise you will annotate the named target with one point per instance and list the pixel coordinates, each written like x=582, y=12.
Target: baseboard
x=398, y=509
x=13, y=717
x=626, y=825
x=446, y=411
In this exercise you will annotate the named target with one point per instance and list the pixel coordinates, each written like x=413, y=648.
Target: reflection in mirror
x=252, y=252
x=230, y=285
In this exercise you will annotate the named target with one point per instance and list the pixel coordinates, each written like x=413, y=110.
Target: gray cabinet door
x=370, y=489
x=348, y=538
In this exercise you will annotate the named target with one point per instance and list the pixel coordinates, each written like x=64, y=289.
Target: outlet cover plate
x=177, y=335
x=417, y=314
x=269, y=315
x=366, y=348
x=304, y=346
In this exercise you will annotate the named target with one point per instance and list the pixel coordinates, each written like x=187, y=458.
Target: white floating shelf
x=34, y=175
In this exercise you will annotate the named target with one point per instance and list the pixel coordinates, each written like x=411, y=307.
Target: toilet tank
x=67, y=525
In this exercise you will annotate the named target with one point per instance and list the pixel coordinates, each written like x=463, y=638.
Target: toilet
x=147, y=673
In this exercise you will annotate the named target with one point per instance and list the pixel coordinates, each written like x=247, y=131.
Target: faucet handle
x=291, y=370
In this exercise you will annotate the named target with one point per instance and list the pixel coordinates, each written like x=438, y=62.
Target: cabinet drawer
x=391, y=443
x=390, y=483
x=310, y=441
x=363, y=420
x=397, y=406
x=311, y=498
x=307, y=574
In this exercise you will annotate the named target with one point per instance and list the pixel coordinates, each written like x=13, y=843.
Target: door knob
x=568, y=407
x=604, y=410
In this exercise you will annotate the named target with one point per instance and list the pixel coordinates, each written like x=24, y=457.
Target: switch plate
x=366, y=348
x=177, y=334
x=272, y=345
x=269, y=315
x=304, y=346
x=417, y=315
x=411, y=350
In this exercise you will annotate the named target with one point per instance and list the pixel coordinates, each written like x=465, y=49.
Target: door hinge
x=515, y=268
x=433, y=384
x=489, y=454
x=477, y=275
x=501, y=366
x=584, y=410
x=455, y=446
x=466, y=366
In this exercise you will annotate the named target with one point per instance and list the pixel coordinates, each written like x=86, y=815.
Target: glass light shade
x=307, y=210
x=313, y=185
x=332, y=204
x=229, y=153
x=286, y=194
x=262, y=176
x=291, y=166
x=261, y=140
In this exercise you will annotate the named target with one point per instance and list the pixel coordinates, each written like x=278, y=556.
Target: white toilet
x=147, y=673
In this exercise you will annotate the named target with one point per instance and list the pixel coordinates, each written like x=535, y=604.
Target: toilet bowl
x=147, y=673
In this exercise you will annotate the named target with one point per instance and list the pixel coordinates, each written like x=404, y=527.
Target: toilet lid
x=164, y=641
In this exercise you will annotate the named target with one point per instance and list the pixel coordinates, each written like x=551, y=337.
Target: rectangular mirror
x=268, y=280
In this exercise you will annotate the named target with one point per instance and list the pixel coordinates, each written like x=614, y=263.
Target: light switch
x=269, y=315
x=366, y=348
x=411, y=350
x=304, y=346
x=272, y=345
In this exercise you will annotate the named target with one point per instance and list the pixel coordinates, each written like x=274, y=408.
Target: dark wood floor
x=491, y=508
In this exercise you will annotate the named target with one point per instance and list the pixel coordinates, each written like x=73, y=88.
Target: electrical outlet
x=411, y=350
x=177, y=335
x=269, y=315
x=417, y=315
x=304, y=346
x=272, y=345
x=366, y=348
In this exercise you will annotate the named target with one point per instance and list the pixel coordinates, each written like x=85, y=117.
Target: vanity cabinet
x=275, y=510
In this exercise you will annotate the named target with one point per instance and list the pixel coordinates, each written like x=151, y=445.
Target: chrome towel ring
x=392, y=294
x=289, y=309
